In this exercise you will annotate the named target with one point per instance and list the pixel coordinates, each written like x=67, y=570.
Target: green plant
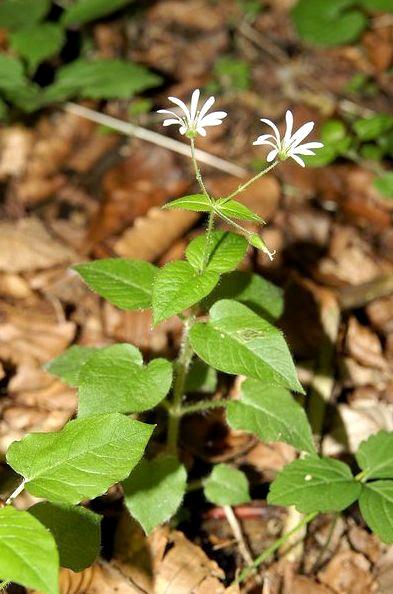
x=33, y=40
x=228, y=326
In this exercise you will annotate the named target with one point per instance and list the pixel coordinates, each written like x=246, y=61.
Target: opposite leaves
x=226, y=486
x=237, y=341
x=375, y=456
x=225, y=251
x=83, y=460
x=28, y=554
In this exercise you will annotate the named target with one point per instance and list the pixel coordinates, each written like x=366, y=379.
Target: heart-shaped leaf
x=82, y=460
x=70, y=525
x=375, y=456
x=237, y=341
x=154, y=490
x=125, y=283
x=177, y=287
x=376, y=505
x=28, y=554
x=114, y=380
x=67, y=366
x=315, y=485
x=272, y=414
x=226, y=250
x=226, y=486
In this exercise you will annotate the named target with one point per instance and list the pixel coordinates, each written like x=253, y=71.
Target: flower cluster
x=193, y=121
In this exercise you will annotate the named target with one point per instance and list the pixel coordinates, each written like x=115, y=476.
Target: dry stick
x=238, y=534
x=155, y=138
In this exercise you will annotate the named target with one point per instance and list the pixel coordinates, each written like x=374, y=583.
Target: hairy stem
x=203, y=405
x=274, y=547
x=15, y=493
x=248, y=183
x=209, y=231
x=198, y=171
x=4, y=584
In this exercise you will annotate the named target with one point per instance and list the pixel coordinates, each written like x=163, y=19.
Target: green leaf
x=325, y=155
x=375, y=456
x=377, y=5
x=263, y=297
x=37, y=43
x=71, y=526
x=177, y=287
x=28, y=554
x=236, y=210
x=373, y=127
x=15, y=14
x=114, y=380
x=84, y=11
x=333, y=131
x=331, y=22
x=194, y=202
x=237, y=341
x=376, y=505
x=67, y=366
x=272, y=414
x=384, y=184
x=100, y=79
x=200, y=378
x=82, y=460
x=154, y=490
x=226, y=250
x=315, y=485
x=125, y=283
x=226, y=486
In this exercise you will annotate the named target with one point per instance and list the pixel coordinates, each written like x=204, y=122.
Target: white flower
x=194, y=121
x=289, y=145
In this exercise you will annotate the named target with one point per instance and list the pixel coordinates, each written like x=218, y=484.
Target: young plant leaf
x=226, y=486
x=82, y=460
x=264, y=298
x=37, y=43
x=15, y=14
x=373, y=127
x=376, y=505
x=200, y=378
x=272, y=414
x=237, y=341
x=125, y=283
x=236, y=210
x=71, y=525
x=114, y=380
x=154, y=490
x=84, y=11
x=177, y=287
x=28, y=554
x=67, y=366
x=315, y=485
x=226, y=250
x=375, y=456
x=194, y=202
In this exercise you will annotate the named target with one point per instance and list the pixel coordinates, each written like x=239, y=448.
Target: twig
x=15, y=493
x=155, y=138
x=360, y=295
x=237, y=533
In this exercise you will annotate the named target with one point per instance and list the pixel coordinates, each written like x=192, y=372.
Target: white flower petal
x=298, y=160
x=262, y=140
x=201, y=131
x=289, y=124
x=272, y=155
x=172, y=121
x=300, y=150
x=194, y=104
x=205, y=107
x=182, y=106
x=274, y=127
x=312, y=145
x=216, y=115
x=169, y=112
x=300, y=135
x=183, y=129
x=205, y=123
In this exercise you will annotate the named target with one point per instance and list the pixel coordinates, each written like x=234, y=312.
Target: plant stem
x=203, y=405
x=198, y=171
x=15, y=493
x=182, y=365
x=248, y=183
x=274, y=547
x=4, y=584
x=209, y=230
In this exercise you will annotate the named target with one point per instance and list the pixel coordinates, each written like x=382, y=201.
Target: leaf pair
x=228, y=208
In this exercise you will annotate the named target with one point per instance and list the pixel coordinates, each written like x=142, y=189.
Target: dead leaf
x=26, y=245
x=362, y=344
x=301, y=584
x=15, y=145
x=348, y=573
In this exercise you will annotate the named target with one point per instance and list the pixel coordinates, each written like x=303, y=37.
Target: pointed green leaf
x=236, y=210
x=70, y=525
x=272, y=414
x=177, y=287
x=226, y=486
x=200, y=378
x=194, y=202
x=114, y=380
x=375, y=456
x=315, y=485
x=67, y=366
x=28, y=554
x=237, y=341
x=84, y=11
x=376, y=505
x=264, y=298
x=226, y=250
x=82, y=460
x=154, y=490
x=125, y=283
x=15, y=14
x=37, y=43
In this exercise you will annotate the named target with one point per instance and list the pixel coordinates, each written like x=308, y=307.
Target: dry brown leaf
x=348, y=573
x=365, y=346
x=269, y=459
x=364, y=542
x=151, y=236
x=301, y=584
x=13, y=285
x=15, y=145
x=26, y=245
x=384, y=572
